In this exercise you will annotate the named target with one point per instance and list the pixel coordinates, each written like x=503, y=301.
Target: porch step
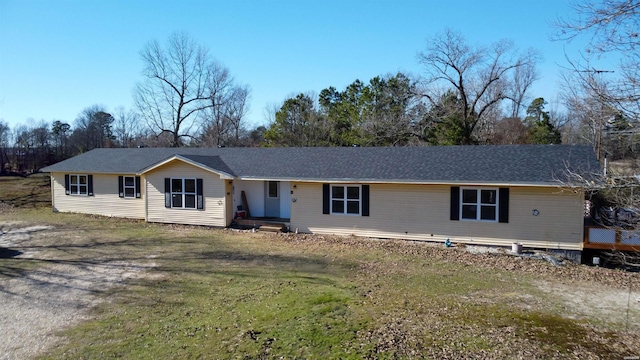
x=261, y=224
x=271, y=228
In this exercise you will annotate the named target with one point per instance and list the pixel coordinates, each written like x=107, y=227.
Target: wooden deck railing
x=609, y=238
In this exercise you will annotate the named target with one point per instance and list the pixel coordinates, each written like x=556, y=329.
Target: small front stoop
x=260, y=224
x=272, y=227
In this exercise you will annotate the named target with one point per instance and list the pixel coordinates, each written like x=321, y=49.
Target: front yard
x=136, y=290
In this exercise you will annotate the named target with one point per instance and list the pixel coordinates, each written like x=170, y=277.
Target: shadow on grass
x=242, y=264
x=258, y=259
x=96, y=266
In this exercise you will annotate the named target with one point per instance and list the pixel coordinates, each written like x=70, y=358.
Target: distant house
x=490, y=195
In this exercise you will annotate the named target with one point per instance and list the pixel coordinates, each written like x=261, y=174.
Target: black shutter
x=67, y=190
x=326, y=206
x=503, y=206
x=199, y=197
x=121, y=186
x=137, y=186
x=167, y=192
x=365, y=200
x=90, y=184
x=455, y=203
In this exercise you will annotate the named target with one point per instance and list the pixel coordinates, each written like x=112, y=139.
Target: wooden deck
x=262, y=224
x=610, y=238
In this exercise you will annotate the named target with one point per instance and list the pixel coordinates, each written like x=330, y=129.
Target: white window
x=346, y=199
x=479, y=204
x=183, y=193
x=129, y=186
x=78, y=185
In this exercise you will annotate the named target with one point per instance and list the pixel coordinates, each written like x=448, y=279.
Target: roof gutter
x=407, y=182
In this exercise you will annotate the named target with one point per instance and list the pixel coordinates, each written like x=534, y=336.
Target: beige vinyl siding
x=213, y=191
x=421, y=212
x=106, y=200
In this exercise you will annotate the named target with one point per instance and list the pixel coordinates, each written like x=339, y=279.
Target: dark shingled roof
x=213, y=162
x=430, y=164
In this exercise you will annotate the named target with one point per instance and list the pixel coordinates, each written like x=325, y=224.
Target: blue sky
x=58, y=57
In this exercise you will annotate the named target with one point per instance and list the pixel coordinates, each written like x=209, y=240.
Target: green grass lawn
x=221, y=294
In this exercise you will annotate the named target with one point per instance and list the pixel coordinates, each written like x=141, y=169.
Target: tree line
x=25, y=149
x=466, y=94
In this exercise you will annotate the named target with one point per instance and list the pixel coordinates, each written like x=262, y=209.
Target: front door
x=272, y=199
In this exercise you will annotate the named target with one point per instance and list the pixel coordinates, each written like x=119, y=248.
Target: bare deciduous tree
x=479, y=76
x=223, y=120
x=612, y=27
x=587, y=112
x=607, y=100
x=31, y=148
x=518, y=87
x=216, y=124
x=612, y=24
x=178, y=86
x=237, y=110
x=126, y=127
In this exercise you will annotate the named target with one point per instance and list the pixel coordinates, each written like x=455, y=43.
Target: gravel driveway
x=36, y=304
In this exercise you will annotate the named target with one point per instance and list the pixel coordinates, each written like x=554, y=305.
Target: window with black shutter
x=76, y=184
x=480, y=204
x=345, y=199
x=129, y=186
x=184, y=193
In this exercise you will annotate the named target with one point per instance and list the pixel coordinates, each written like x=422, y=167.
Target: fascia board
x=223, y=175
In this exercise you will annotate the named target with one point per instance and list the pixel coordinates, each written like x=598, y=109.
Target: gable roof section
x=208, y=163
x=485, y=164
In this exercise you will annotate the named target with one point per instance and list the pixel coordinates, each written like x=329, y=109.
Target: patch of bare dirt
x=5, y=208
x=55, y=294
x=604, y=303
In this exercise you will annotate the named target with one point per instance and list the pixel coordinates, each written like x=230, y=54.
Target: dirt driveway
x=57, y=293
